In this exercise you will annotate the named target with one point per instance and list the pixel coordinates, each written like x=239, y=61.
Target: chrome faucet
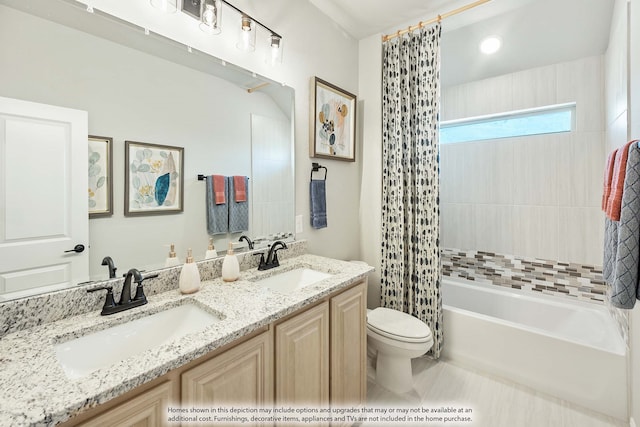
x=126, y=302
x=272, y=256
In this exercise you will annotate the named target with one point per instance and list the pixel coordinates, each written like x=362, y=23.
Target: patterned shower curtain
x=411, y=273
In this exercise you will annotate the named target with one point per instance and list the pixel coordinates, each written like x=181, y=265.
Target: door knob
x=77, y=249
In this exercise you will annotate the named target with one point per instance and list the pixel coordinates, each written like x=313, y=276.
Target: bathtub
x=567, y=349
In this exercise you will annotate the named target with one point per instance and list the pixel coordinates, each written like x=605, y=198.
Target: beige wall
x=535, y=196
x=370, y=89
x=313, y=46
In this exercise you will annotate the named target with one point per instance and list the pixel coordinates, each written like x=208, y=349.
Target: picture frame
x=100, y=169
x=154, y=181
x=333, y=117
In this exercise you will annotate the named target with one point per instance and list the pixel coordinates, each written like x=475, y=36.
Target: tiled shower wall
x=616, y=101
x=536, y=196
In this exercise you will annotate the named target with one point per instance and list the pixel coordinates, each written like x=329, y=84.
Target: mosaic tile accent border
x=583, y=282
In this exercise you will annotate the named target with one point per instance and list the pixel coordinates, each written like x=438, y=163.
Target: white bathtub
x=568, y=349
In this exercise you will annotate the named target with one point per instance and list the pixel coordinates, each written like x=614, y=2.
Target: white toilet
x=396, y=338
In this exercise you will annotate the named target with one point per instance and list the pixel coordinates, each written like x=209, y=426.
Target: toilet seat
x=397, y=325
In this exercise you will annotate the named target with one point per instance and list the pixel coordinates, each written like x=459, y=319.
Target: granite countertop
x=36, y=391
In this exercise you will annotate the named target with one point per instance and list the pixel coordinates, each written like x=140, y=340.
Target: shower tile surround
x=561, y=279
x=17, y=315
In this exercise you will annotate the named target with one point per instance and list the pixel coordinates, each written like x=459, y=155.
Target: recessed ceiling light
x=490, y=45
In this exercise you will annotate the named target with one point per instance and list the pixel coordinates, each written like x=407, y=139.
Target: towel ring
x=315, y=167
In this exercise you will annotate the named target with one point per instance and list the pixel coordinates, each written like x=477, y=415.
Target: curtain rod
x=433, y=20
x=260, y=86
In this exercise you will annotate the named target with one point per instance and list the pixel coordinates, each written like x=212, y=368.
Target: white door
x=43, y=198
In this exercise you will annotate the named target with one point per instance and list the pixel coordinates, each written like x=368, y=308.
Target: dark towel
x=318, y=203
x=217, y=214
x=622, y=239
x=238, y=210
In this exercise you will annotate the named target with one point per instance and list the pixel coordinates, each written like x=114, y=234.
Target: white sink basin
x=291, y=280
x=81, y=356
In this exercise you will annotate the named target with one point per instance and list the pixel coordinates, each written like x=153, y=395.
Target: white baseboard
x=632, y=423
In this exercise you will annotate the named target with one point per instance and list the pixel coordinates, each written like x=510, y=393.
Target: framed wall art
x=333, y=127
x=154, y=181
x=100, y=176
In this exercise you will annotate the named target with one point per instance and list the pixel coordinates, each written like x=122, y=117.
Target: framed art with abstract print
x=333, y=113
x=154, y=183
x=100, y=176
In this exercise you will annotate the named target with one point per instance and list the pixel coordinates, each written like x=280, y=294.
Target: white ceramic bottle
x=172, y=260
x=230, y=266
x=189, y=276
x=211, y=251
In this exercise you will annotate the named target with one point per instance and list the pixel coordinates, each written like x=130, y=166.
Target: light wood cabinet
x=315, y=357
x=148, y=409
x=242, y=375
x=302, y=358
x=349, y=347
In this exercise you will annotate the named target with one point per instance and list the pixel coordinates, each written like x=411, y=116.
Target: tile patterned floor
x=495, y=403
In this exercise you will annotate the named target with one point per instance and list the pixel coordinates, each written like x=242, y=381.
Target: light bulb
x=490, y=45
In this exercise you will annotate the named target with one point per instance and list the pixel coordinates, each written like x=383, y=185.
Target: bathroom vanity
x=267, y=348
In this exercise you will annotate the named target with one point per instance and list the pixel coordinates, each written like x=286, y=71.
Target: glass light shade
x=247, y=34
x=211, y=16
x=274, y=53
x=167, y=6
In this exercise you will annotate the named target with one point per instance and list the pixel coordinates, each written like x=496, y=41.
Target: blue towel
x=238, y=211
x=217, y=215
x=318, y=203
x=622, y=240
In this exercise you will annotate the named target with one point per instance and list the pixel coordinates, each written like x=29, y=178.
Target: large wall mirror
x=146, y=88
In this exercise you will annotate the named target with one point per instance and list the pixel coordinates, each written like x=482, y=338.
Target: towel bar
x=204, y=177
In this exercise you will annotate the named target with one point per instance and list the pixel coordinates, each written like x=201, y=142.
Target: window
x=550, y=119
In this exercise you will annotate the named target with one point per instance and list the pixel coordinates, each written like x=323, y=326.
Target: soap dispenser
x=172, y=260
x=211, y=251
x=189, y=276
x=230, y=266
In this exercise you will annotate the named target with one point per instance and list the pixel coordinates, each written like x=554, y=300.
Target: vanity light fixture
x=211, y=16
x=167, y=6
x=490, y=45
x=247, y=34
x=274, y=56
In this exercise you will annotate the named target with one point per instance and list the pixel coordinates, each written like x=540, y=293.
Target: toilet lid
x=396, y=324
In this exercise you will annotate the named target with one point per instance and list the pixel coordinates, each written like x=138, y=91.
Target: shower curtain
x=410, y=270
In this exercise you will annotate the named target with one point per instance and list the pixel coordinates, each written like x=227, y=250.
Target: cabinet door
x=349, y=347
x=240, y=375
x=148, y=409
x=302, y=358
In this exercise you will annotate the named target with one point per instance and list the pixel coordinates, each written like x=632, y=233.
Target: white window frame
x=530, y=112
